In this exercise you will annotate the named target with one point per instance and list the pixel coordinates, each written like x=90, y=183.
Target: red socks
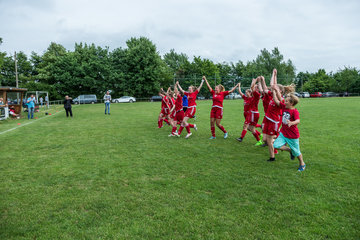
x=173, y=130
x=243, y=133
x=222, y=129
x=213, y=131
x=188, y=128
x=256, y=135
x=191, y=125
x=160, y=123
x=180, y=130
x=167, y=121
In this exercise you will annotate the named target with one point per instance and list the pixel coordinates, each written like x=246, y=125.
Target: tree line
x=139, y=70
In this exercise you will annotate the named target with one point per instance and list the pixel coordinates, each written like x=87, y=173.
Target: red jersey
x=171, y=103
x=291, y=115
x=273, y=112
x=247, y=103
x=266, y=100
x=178, y=103
x=218, y=98
x=191, y=98
x=164, y=102
x=255, y=101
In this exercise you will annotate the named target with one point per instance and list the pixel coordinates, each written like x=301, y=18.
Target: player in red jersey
x=216, y=113
x=272, y=121
x=251, y=114
x=267, y=97
x=177, y=113
x=164, y=114
x=190, y=111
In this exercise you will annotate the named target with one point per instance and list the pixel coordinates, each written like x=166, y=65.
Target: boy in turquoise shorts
x=289, y=133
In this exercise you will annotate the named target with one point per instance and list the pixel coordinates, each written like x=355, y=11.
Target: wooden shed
x=12, y=97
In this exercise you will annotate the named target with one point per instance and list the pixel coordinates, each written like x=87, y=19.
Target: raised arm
x=176, y=90
x=181, y=90
x=207, y=84
x=234, y=88
x=276, y=95
x=259, y=86
x=241, y=94
x=273, y=80
x=253, y=82
x=202, y=82
x=263, y=84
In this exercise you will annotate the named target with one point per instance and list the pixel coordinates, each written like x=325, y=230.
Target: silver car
x=124, y=99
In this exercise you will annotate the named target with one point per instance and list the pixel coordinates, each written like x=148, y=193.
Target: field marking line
x=25, y=124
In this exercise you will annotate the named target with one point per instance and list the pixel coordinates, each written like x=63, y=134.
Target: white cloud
x=314, y=34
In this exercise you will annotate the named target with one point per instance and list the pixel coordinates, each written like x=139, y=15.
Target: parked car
x=305, y=94
x=85, y=99
x=297, y=94
x=233, y=96
x=155, y=99
x=200, y=97
x=330, y=94
x=316, y=94
x=124, y=99
x=344, y=94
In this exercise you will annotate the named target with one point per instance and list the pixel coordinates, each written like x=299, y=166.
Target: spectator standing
x=67, y=105
x=41, y=101
x=46, y=101
x=107, y=99
x=31, y=106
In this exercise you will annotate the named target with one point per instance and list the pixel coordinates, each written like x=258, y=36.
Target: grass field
x=119, y=177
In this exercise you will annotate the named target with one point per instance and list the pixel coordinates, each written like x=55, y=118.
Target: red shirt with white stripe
x=247, y=103
x=164, y=102
x=274, y=111
x=191, y=98
x=255, y=101
x=178, y=103
x=218, y=98
x=266, y=100
x=291, y=115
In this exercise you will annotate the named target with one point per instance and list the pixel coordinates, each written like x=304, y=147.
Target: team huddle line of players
x=279, y=111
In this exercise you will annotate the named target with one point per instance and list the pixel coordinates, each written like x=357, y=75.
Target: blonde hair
x=221, y=87
x=193, y=87
x=293, y=99
x=289, y=88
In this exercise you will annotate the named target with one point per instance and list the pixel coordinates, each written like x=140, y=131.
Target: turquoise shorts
x=293, y=144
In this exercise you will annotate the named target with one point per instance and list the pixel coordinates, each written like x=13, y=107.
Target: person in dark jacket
x=67, y=105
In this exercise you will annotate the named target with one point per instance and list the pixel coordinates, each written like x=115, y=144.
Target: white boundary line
x=23, y=125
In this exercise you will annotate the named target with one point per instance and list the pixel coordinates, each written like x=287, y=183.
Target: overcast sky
x=313, y=34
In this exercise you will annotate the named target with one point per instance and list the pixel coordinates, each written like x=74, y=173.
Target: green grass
x=120, y=177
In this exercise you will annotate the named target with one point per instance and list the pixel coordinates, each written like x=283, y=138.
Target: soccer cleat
x=271, y=159
x=212, y=137
x=239, y=139
x=195, y=127
x=276, y=151
x=176, y=134
x=301, y=168
x=292, y=157
x=259, y=143
x=171, y=135
x=264, y=145
x=226, y=135
x=188, y=135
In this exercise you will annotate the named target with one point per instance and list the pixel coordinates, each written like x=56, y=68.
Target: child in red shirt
x=289, y=133
x=216, y=113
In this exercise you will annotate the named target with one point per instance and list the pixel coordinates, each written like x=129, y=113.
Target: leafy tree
x=143, y=68
x=318, y=82
x=347, y=80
